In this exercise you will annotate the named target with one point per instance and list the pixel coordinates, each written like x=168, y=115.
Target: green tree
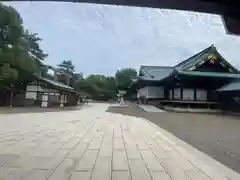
x=110, y=87
x=67, y=66
x=20, y=53
x=11, y=31
x=11, y=28
x=34, y=49
x=98, y=86
x=123, y=77
x=35, y=52
x=67, y=69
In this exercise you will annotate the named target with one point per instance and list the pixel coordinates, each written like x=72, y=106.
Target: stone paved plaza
x=93, y=144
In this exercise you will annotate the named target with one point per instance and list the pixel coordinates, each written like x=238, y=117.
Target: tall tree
x=11, y=31
x=35, y=52
x=11, y=28
x=67, y=66
x=34, y=48
x=20, y=53
x=75, y=77
x=123, y=77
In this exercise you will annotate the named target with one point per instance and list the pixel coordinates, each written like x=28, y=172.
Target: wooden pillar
x=195, y=94
x=11, y=96
x=207, y=98
x=181, y=92
x=11, y=99
x=165, y=95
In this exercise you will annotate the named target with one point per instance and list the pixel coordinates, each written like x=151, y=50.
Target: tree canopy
x=67, y=75
x=105, y=87
x=67, y=66
x=124, y=77
x=98, y=86
x=20, y=52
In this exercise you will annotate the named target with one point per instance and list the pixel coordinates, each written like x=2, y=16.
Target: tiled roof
x=57, y=84
x=195, y=57
x=155, y=72
x=194, y=60
x=158, y=73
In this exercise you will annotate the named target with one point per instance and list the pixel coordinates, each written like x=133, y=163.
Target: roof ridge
x=157, y=66
x=201, y=52
x=205, y=53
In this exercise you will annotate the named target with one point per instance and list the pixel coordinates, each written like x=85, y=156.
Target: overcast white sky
x=101, y=39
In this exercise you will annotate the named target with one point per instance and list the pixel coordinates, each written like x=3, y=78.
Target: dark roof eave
x=158, y=80
x=59, y=86
x=231, y=66
x=209, y=74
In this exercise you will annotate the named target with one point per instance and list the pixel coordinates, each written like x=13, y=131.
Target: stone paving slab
x=91, y=144
x=150, y=108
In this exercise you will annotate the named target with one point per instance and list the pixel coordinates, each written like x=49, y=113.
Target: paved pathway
x=93, y=144
x=150, y=108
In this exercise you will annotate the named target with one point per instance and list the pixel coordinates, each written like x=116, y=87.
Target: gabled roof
x=193, y=58
x=197, y=58
x=158, y=73
x=56, y=84
x=155, y=72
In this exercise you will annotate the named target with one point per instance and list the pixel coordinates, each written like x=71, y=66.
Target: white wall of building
x=142, y=92
x=158, y=92
x=155, y=92
x=31, y=88
x=31, y=92
x=177, y=93
x=188, y=94
x=151, y=92
x=36, y=88
x=201, y=95
x=31, y=95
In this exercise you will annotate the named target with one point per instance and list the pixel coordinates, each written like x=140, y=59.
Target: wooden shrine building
x=46, y=92
x=39, y=91
x=203, y=80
